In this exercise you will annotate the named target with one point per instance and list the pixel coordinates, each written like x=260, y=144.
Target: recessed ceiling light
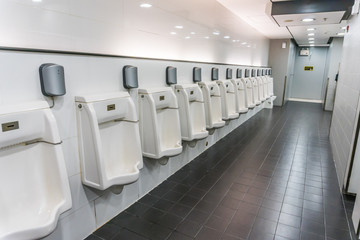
x=311, y=42
x=312, y=45
x=173, y=33
x=311, y=34
x=310, y=29
x=243, y=43
x=227, y=37
x=343, y=28
x=248, y=46
x=289, y=20
x=207, y=37
x=187, y=37
x=37, y=0
x=308, y=19
x=311, y=39
x=179, y=27
x=143, y=5
x=193, y=33
x=340, y=34
x=216, y=33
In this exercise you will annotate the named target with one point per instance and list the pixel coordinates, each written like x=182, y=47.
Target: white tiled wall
x=334, y=58
x=85, y=75
x=346, y=107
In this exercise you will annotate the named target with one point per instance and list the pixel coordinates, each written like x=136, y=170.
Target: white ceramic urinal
x=271, y=86
x=212, y=98
x=228, y=99
x=249, y=93
x=35, y=189
x=109, y=140
x=192, y=112
x=256, y=96
x=159, y=123
x=240, y=95
x=261, y=88
x=266, y=87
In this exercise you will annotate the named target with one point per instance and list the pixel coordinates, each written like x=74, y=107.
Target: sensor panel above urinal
x=33, y=165
x=109, y=139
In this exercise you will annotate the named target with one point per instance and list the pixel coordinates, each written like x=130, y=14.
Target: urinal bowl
x=35, y=198
x=170, y=143
x=36, y=189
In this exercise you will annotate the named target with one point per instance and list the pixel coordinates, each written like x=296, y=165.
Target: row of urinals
x=113, y=138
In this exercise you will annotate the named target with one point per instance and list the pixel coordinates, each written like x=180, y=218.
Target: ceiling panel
x=319, y=18
x=322, y=33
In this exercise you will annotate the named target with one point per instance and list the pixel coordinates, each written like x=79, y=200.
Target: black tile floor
x=271, y=178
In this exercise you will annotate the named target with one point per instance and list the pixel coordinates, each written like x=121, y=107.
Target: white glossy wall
x=121, y=27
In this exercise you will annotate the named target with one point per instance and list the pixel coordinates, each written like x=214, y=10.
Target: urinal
x=266, y=85
x=271, y=86
x=249, y=93
x=228, y=101
x=35, y=189
x=109, y=140
x=261, y=88
x=192, y=112
x=240, y=95
x=159, y=123
x=212, y=99
x=256, y=96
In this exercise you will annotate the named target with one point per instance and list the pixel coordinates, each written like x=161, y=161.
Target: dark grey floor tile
x=208, y=234
x=170, y=220
x=189, y=228
x=313, y=227
x=197, y=216
x=290, y=220
x=288, y=232
x=126, y=234
x=265, y=226
x=93, y=237
x=108, y=231
x=179, y=236
x=217, y=223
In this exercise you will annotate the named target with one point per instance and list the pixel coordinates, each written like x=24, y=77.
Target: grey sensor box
x=239, y=73
x=52, y=80
x=196, y=74
x=229, y=73
x=130, y=77
x=171, y=75
x=214, y=74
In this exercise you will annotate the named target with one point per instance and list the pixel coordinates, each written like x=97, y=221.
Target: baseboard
x=305, y=100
